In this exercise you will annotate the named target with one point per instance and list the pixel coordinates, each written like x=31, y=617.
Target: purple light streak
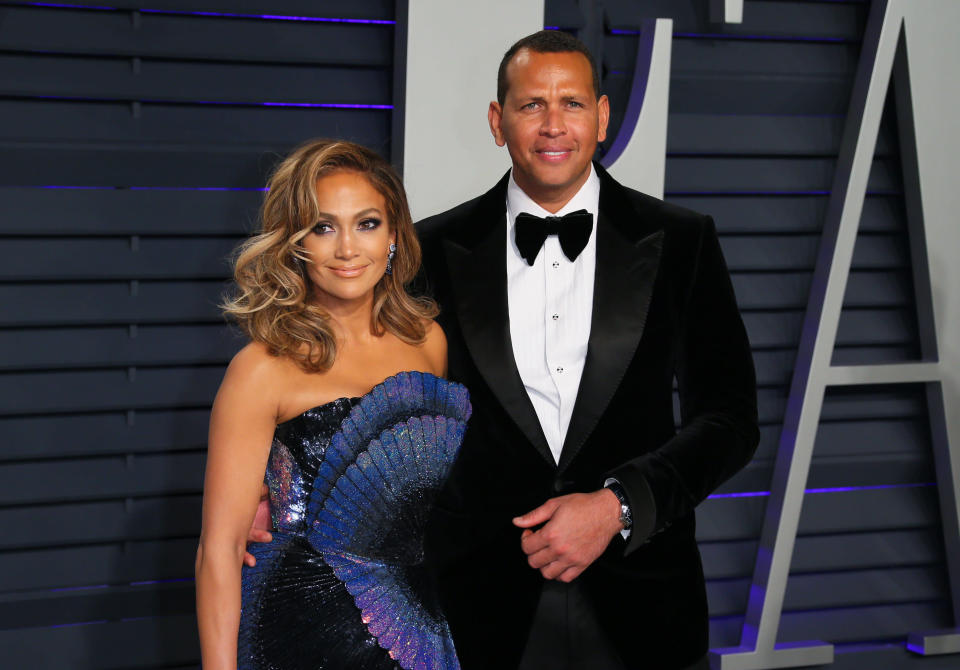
x=141, y=188
x=78, y=623
x=79, y=588
x=273, y=17
x=835, y=489
x=188, y=188
x=230, y=15
x=175, y=580
x=331, y=105
x=327, y=105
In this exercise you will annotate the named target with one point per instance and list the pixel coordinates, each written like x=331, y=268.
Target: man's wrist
x=616, y=488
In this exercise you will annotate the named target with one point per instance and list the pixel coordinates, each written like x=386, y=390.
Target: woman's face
x=350, y=240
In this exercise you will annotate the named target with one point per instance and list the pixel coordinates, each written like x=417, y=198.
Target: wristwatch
x=625, y=517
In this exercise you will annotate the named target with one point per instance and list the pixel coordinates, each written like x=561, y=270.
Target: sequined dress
x=342, y=585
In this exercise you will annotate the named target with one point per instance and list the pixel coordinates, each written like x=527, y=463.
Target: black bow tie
x=573, y=229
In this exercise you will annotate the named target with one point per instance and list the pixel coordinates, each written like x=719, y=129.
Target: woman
x=338, y=398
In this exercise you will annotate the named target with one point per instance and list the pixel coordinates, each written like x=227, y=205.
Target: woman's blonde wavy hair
x=271, y=301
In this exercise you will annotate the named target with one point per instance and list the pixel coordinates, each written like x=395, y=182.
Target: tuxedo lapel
x=477, y=263
x=628, y=257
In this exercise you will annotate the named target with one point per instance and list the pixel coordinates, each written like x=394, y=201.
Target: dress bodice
x=352, y=482
x=299, y=445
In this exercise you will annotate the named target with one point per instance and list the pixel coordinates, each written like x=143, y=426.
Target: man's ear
x=494, y=118
x=603, y=115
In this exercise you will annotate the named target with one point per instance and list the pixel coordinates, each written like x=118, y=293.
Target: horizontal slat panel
x=239, y=126
x=36, y=392
x=157, y=165
x=851, y=437
x=760, y=134
x=764, y=175
x=776, y=367
x=109, y=211
x=747, y=93
x=852, y=588
x=146, y=643
x=25, y=610
x=862, y=510
x=829, y=20
x=104, y=433
x=894, y=548
x=101, y=478
x=94, y=565
x=117, y=346
x=874, y=402
x=868, y=623
x=786, y=290
x=89, y=522
x=182, y=81
x=348, y=9
x=110, y=258
x=778, y=59
x=847, y=471
x=789, y=214
x=878, y=327
x=110, y=302
x=848, y=625
x=799, y=252
x=104, y=33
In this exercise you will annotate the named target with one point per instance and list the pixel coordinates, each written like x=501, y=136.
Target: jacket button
x=558, y=485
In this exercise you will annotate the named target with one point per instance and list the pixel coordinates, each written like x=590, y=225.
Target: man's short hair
x=546, y=42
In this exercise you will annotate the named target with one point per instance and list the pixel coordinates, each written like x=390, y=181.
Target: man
x=565, y=536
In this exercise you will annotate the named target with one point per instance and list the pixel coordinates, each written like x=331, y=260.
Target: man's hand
x=259, y=531
x=577, y=529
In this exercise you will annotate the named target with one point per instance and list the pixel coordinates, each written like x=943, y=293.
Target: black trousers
x=565, y=635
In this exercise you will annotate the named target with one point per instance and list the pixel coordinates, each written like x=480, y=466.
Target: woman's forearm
x=218, y=573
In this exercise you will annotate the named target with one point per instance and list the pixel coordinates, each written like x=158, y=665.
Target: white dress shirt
x=550, y=307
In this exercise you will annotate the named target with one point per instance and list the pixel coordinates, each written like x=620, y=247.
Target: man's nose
x=553, y=124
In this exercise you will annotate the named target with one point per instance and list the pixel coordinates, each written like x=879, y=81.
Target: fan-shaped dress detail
x=342, y=585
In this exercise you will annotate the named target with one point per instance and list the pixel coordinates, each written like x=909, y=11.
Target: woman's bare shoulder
x=255, y=369
x=435, y=347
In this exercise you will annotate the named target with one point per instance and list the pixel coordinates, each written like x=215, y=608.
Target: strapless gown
x=342, y=585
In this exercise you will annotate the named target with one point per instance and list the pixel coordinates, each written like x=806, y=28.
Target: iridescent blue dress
x=342, y=585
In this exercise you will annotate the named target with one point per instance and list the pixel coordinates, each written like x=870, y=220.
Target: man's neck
x=552, y=199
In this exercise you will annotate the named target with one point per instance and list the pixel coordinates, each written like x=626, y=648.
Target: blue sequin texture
x=342, y=585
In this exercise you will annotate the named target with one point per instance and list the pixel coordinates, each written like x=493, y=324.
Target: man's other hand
x=576, y=530
x=260, y=530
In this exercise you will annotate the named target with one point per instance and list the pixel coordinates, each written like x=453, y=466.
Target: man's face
x=551, y=122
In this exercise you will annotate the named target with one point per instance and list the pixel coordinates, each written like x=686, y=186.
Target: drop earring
x=390, y=254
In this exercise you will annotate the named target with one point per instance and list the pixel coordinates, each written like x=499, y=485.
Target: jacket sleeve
x=718, y=403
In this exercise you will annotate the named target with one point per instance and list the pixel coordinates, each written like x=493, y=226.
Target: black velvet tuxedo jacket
x=663, y=308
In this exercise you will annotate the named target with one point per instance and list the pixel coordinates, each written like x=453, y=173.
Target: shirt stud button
x=556, y=316
x=556, y=264
x=559, y=369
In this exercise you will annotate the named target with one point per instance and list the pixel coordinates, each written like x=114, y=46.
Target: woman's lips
x=349, y=270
